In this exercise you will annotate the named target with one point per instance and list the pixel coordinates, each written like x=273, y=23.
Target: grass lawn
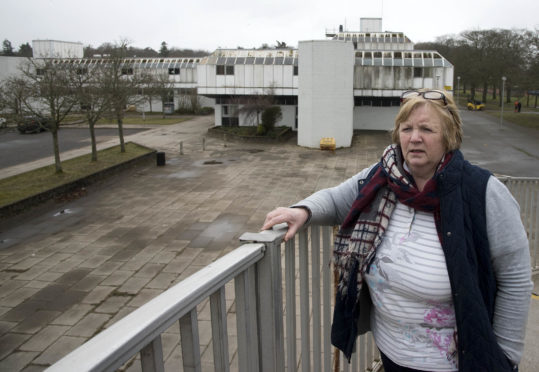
x=528, y=117
x=28, y=184
x=250, y=131
x=151, y=119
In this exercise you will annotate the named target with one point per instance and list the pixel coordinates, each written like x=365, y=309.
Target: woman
x=439, y=244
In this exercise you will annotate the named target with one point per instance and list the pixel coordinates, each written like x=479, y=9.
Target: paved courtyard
x=69, y=269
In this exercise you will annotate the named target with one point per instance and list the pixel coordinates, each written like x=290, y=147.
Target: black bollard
x=160, y=158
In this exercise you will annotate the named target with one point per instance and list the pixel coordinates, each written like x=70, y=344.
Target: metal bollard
x=160, y=157
x=181, y=147
x=203, y=143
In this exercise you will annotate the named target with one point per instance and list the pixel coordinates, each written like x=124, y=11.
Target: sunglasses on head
x=433, y=95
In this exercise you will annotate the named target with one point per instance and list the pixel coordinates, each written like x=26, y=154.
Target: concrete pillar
x=326, y=92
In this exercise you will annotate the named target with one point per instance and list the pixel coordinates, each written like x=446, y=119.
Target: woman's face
x=421, y=140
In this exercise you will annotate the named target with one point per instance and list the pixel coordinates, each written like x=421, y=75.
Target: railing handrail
x=504, y=178
x=116, y=344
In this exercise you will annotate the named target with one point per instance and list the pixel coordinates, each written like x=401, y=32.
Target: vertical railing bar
x=326, y=287
x=377, y=357
x=219, y=330
x=532, y=222
x=190, y=341
x=526, y=200
x=316, y=304
x=246, y=323
x=151, y=356
x=355, y=360
x=270, y=310
x=290, y=282
x=278, y=304
x=304, y=301
x=345, y=364
x=534, y=233
x=361, y=352
x=370, y=353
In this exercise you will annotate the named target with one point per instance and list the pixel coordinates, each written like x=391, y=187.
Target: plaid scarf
x=364, y=227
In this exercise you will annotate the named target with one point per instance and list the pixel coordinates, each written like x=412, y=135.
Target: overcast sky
x=210, y=24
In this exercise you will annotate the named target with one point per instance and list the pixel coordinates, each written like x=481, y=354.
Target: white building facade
x=325, y=88
x=57, y=49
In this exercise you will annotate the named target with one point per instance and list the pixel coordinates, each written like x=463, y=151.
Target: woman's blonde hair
x=448, y=113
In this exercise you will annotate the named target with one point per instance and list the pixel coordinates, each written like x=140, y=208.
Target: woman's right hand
x=293, y=217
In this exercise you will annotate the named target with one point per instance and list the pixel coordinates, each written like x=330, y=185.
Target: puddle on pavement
x=185, y=174
x=252, y=151
x=194, y=169
x=63, y=212
x=7, y=242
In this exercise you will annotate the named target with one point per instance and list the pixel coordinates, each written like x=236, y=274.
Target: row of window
x=397, y=55
x=129, y=71
x=135, y=61
x=229, y=70
x=242, y=100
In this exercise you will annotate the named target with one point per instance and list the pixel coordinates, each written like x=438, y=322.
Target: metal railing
x=526, y=192
x=266, y=321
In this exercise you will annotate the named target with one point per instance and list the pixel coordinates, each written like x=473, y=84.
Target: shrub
x=260, y=130
x=270, y=116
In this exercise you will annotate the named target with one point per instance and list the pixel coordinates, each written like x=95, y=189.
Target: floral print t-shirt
x=413, y=321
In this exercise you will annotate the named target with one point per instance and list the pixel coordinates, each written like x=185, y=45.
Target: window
x=40, y=71
x=296, y=70
x=230, y=122
x=174, y=71
x=224, y=70
x=127, y=70
x=418, y=72
x=376, y=101
x=229, y=116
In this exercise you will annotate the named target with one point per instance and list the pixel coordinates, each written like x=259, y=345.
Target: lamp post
x=458, y=89
x=503, y=91
x=143, y=104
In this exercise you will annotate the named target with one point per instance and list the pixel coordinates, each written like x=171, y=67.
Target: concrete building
x=325, y=88
x=57, y=49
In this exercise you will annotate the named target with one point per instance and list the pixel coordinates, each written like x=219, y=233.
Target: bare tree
x=48, y=94
x=91, y=87
x=12, y=92
x=122, y=87
x=253, y=106
x=156, y=84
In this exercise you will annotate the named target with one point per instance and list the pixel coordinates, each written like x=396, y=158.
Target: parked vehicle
x=33, y=124
x=475, y=105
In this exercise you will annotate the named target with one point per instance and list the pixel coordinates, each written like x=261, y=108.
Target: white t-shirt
x=413, y=321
